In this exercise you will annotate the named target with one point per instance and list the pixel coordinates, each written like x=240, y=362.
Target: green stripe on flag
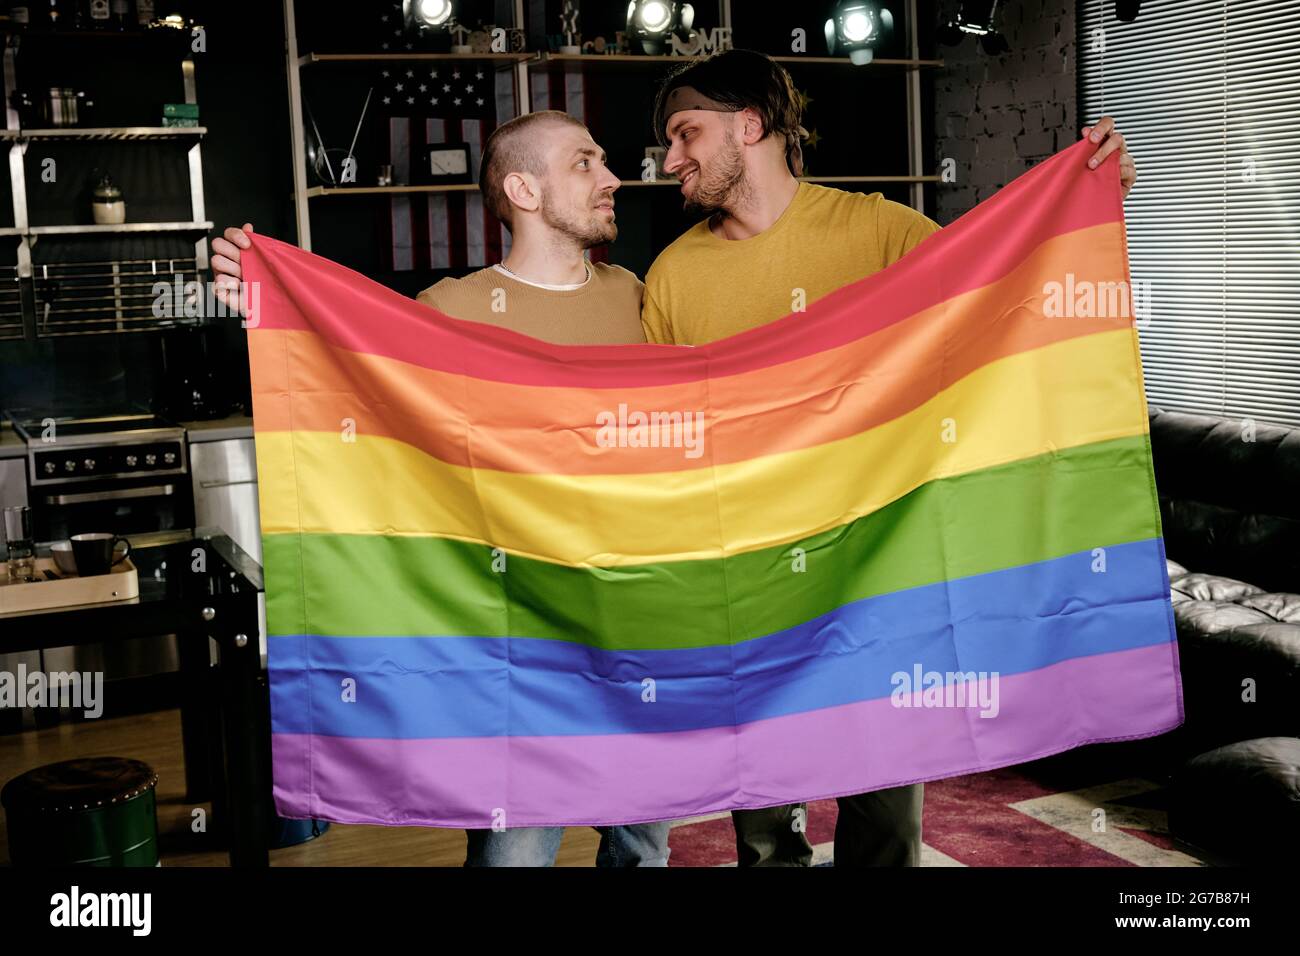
x=1027, y=511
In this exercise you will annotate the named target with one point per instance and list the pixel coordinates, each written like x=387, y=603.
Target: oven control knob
x=131, y=460
x=51, y=467
x=89, y=464
x=151, y=459
x=69, y=465
x=169, y=457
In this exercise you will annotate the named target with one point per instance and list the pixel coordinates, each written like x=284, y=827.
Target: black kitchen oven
x=127, y=474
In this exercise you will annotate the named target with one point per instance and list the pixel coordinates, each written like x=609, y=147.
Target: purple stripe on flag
x=630, y=778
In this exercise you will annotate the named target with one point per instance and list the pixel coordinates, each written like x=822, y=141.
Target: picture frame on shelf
x=444, y=164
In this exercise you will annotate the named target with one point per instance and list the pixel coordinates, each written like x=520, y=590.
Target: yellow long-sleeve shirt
x=702, y=288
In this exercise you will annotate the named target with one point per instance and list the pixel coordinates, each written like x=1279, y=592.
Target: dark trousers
x=881, y=828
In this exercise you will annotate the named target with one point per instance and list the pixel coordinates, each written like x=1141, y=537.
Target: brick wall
x=998, y=116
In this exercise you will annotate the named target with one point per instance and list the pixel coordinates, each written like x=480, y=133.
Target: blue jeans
x=642, y=844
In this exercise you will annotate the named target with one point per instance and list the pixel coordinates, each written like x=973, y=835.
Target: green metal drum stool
x=93, y=811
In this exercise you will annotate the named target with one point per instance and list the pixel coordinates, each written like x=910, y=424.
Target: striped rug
x=1016, y=816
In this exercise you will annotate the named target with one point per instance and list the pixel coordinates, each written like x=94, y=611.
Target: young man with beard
x=545, y=178
x=731, y=125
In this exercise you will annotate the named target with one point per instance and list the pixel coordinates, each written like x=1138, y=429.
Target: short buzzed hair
x=511, y=149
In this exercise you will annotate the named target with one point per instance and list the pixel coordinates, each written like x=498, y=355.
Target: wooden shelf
x=869, y=179
x=315, y=191
x=541, y=59
x=133, y=34
x=106, y=133
x=100, y=229
x=809, y=179
x=308, y=59
x=844, y=61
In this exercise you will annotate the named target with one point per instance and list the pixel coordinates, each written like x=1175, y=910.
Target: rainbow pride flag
x=910, y=533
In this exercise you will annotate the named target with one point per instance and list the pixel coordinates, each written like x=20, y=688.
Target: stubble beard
x=721, y=185
x=587, y=233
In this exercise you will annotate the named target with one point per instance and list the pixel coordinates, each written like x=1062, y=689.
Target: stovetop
x=129, y=444
x=30, y=423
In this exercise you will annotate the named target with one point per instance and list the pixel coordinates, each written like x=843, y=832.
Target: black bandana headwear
x=689, y=98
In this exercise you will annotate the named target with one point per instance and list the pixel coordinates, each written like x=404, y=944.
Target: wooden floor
x=156, y=739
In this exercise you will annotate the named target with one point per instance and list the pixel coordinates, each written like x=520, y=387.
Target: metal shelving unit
x=107, y=228
x=294, y=63
x=11, y=304
x=116, y=316
x=524, y=63
x=117, y=295
x=106, y=133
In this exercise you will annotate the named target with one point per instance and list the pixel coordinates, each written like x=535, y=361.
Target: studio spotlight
x=428, y=16
x=652, y=22
x=856, y=28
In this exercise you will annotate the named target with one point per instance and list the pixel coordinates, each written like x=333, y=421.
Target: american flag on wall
x=457, y=102
x=446, y=102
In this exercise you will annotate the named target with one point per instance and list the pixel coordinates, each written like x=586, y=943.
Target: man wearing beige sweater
x=545, y=178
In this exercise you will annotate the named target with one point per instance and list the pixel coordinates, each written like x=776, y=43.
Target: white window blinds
x=1207, y=95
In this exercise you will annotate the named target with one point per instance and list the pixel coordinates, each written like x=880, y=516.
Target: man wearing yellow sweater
x=771, y=244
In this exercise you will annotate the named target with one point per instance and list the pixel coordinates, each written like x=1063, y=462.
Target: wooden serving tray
x=119, y=584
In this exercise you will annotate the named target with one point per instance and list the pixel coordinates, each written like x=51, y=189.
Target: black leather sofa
x=1230, y=508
